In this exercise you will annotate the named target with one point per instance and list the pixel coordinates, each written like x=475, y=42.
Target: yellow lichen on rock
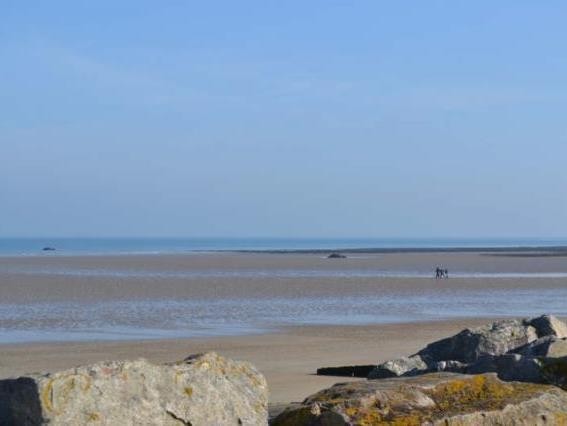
x=93, y=417
x=188, y=391
x=478, y=391
x=438, y=399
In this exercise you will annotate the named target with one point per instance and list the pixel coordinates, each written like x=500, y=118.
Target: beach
x=288, y=314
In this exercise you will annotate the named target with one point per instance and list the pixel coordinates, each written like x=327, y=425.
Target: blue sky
x=294, y=119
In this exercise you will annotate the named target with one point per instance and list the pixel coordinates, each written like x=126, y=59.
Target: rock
x=477, y=349
x=509, y=367
x=457, y=351
x=485, y=364
x=554, y=371
x=336, y=256
x=201, y=390
x=347, y=371
x=471, y=344
x=548, y=325
x=548, y=346
x=399, y=367
x=431, y=399
x=451, y=366
x=515, y=367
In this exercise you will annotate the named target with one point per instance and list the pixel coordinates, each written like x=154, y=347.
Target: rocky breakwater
x=204, y=389
x=510, y=372
x=515, y=349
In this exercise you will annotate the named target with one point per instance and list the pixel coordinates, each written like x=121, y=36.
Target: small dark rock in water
x=336, y=256
x=48, y=249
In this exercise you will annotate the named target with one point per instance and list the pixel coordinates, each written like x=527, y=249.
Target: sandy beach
x=338, y=322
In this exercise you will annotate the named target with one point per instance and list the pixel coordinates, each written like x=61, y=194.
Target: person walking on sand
x=446, y=273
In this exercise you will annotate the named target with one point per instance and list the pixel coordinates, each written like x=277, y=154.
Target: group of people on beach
x=441, y=273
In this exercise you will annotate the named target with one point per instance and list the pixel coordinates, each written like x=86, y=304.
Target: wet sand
x=234, y=275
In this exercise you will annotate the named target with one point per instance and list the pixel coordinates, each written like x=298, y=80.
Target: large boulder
x=512, y=367
x=485, y=349
x=548, y=346
x=471, y=344
x=432, y=399
x=204, y=389
x=548, y=325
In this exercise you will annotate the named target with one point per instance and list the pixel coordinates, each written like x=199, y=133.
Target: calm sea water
x=66, y=246
x=176, y=318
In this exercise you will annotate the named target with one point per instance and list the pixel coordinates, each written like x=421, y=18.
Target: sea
x=104, y=246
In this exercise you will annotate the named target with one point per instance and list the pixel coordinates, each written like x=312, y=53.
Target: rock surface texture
x=204, y=389
x=433, y=399
x=514, y=349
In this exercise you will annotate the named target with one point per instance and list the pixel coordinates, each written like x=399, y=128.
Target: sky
x=409, y=119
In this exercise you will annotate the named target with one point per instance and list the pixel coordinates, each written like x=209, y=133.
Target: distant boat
x=48, y=249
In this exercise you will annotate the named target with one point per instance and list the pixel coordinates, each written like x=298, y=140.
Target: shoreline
x=252, y=332
x=267, y=332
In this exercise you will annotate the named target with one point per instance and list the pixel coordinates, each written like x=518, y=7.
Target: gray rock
x=202, y=390
x=548, y=346
x=514, y=367
x=482, y=349
x=485, y=364
x=406, y=366
x=451, y=366
x=509, y=367
x=471, y=344
x=548, y=325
